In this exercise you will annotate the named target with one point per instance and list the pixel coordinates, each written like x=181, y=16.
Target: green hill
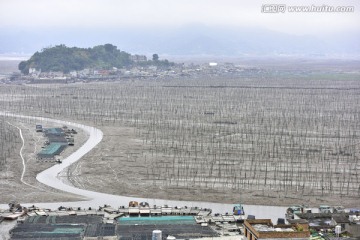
x=66, y=59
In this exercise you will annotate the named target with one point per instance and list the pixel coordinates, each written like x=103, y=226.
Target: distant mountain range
x=187, y=40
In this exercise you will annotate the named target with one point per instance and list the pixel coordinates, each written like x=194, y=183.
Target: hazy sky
x=112, y=14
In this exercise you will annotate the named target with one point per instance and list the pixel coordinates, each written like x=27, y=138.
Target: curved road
x=95, y=199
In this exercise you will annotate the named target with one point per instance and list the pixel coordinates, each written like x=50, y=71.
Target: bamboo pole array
x=263, y=133
x=9, y=141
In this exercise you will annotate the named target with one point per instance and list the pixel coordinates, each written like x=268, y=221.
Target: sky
x=181, y=26
x=112, y=14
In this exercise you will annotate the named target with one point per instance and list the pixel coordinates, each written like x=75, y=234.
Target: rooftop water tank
x=156, y=235
x=338, y=229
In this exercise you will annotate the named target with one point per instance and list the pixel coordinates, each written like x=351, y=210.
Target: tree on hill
x=155, y=57
x=65, y=59
x=162, y=64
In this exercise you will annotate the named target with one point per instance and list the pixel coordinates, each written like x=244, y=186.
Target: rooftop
x=264, y=228
x=267, y=228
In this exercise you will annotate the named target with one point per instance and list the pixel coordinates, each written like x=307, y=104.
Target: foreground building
x=257, y=229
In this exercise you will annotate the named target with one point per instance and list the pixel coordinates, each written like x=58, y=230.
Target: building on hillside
x=138, y=58
x=34, y=73
x=257, y=229
x=32, y=70
x=73, y=74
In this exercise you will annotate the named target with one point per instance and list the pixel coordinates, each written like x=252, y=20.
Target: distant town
x=180, y=70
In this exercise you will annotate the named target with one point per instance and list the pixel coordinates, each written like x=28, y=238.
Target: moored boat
x=325, y=209
x=293, y=210
x=134, y=208
x=144, y=209
x=338, y=209
x=239, y=213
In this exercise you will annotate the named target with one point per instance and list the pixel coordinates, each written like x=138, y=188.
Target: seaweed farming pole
x=8, y=143
x=95, y=199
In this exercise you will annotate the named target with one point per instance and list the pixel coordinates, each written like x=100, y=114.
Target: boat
x=296, y=209
x=239, y=213
x=307, y=209
x=133, y=204
x=166, y=210
x=354, y=211
x=13, y=216
x=144, y=209
x=325, y=209
x=134, y=208
x=338, y=209
x=238, y=209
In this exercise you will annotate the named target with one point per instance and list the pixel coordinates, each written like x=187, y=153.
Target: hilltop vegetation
x=65, y=59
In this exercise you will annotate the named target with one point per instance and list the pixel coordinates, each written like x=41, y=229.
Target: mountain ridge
x=187, y=40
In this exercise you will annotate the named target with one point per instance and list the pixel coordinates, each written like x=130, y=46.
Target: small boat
x=13, y=216
x=293, y=210
x=238, y=209
x=307, y=209
x=239, y=213
x=325, y=209
x=166, y=210
x=354, y=211
x=338, y=209
x=133, y=204
x=144, y=209
x=134, y=208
